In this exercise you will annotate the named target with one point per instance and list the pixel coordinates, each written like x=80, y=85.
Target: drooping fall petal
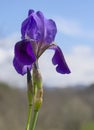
x=24, y=56
x=59, y=60
x=20, y=68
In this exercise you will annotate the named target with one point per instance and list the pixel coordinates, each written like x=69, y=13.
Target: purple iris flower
x=38, y=34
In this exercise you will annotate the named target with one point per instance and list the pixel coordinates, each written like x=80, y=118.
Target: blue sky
x=75, y=23
x=80, y=12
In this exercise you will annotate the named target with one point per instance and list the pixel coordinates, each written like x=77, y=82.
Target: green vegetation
x=62, y=109
x=88, y=126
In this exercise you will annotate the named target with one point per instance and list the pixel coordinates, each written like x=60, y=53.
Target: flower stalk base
x=34, y=120
x=35, y=96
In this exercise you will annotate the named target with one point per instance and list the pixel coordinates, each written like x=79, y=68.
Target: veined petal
x=29, y=28
x=24, y=52
x=50, y=31
x=32, y=27
x=59, y=60
x=24, y=56
x=38, y=28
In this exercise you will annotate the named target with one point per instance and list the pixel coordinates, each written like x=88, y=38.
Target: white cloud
x=80, y=61
x=73, y=28
x=2, y=55
x=7, y=72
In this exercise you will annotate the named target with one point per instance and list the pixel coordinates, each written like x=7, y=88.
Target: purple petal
x=50, y=31
x=39, y=19
x=24, y=27
x=32, y=30
x=47, y=28
x=33, y=26
x=20, y=68
x=38, y=28
x=24, y=52
x=30, y=12
x=29, y=28
x=59, y=60
x=24, y=56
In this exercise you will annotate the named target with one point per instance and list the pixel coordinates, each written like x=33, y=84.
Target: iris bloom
x=38, y=34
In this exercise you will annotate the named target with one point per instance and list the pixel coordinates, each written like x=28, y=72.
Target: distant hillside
x=62, y=109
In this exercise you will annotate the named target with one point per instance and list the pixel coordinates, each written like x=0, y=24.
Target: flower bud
x=38, y=99
x=38, y=89
x=37, y=78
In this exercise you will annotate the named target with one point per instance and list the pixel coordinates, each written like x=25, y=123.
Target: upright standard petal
x=50, y=31
x=29, y=28
x=59, y=60
x=30, y=12
x=32, y=27
x=24, y=56
x=38, y=28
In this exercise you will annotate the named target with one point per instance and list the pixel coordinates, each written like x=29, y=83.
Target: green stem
x=34, y=120
x=29, y=117
x=30, y=98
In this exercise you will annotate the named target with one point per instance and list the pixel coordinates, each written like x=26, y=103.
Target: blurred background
x=68, y=99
